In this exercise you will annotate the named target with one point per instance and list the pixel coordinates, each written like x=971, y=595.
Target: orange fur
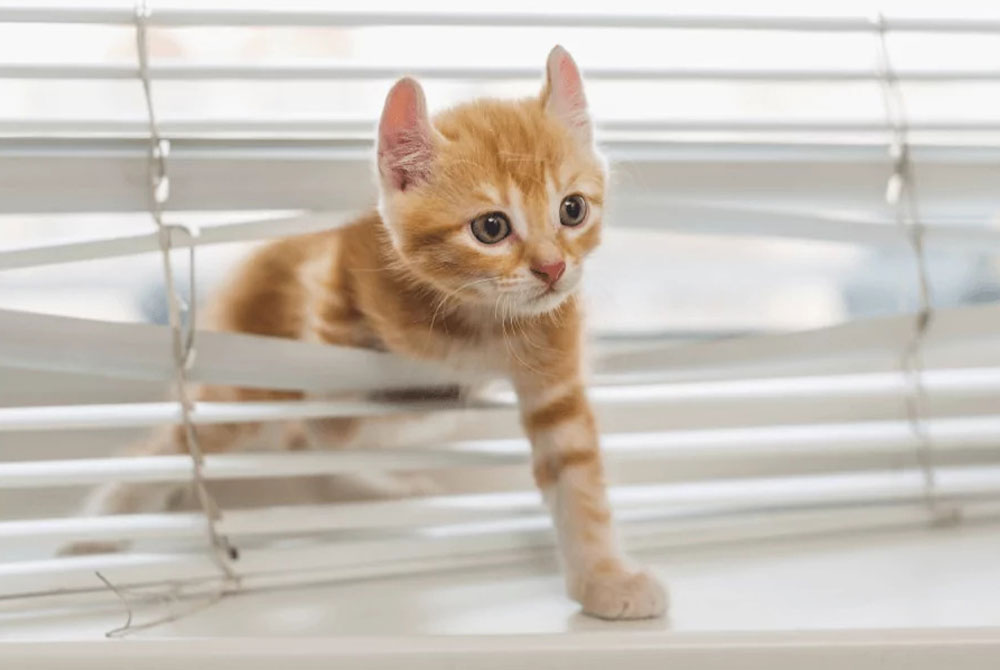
x=413, y=279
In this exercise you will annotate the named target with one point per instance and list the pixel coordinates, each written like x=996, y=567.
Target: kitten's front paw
x=621, y=594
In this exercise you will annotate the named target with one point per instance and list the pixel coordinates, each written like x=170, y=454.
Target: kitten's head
x=495, y=202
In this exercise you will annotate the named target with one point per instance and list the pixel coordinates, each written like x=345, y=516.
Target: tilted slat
x=124, y=245
x=138, y=351
x=958, y=337
x=660, y=214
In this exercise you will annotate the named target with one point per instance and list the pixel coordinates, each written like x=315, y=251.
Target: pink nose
x=549, y=272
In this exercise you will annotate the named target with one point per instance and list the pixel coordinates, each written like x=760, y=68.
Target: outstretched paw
x=621, y=594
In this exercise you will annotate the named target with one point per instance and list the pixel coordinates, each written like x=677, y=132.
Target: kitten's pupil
x=493, y=226
x=572, y=208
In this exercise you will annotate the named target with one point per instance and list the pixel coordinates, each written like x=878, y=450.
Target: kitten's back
x=276, y=289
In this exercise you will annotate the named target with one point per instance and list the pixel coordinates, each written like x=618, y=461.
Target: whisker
x=509, y=344
x=451, y=294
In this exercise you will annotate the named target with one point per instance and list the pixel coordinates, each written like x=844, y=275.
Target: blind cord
x=901, y=194
x=182, y=334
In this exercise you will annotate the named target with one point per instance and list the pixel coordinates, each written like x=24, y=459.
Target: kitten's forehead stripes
x=520, y=218
x=489, y=192
x=554, y=196
x=499, y=156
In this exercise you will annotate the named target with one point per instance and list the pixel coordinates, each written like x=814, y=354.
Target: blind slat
x=870, y=445
x=958, y=337
x=674, y=500
x=957, y=182
x=699, y=218
x=366, y=127
x=138, y=351
x=290, y=15
x=337, y=71
x=900, y=496
x=124, y=245
x=691, y=398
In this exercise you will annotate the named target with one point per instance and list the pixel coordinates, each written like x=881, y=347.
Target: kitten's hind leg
x=152, y=497
x=374, y=433
x=121, y=498
x=129, y=497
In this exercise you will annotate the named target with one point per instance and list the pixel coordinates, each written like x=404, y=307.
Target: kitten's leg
x=123, y=498
x=139, y=497
x=130, y=497
x=372, y=433
x=568, y=470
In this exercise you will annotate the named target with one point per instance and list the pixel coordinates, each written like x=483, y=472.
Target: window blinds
x=756, y=436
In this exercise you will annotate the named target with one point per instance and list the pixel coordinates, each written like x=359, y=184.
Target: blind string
x=169, y=594
x=182, y=334
x=901, y=194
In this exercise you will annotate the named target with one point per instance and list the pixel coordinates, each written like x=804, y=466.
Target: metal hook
x=192, y=234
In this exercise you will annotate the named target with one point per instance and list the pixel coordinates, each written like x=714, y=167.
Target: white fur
x=538, y=399
x=571, y=434
x=518, y=216
x=490, y=192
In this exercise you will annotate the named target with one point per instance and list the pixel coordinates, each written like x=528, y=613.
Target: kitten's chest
x=489, y=356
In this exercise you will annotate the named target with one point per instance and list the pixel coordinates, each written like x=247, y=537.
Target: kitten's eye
x=491, y=228
x=573, y=210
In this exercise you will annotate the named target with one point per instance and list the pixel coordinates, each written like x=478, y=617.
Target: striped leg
x=568, y=470
x=151, y=497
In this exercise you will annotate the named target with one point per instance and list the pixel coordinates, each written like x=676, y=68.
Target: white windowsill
x=909, y=599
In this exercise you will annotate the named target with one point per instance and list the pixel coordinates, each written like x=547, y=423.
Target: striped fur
x=412, y=278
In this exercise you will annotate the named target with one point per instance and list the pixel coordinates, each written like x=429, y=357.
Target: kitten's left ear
x=405, y=136
x=563, y=95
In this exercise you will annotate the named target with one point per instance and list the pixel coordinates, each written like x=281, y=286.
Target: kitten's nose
x=549, y=272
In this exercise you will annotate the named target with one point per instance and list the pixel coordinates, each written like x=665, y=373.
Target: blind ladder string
x=182, y=335
x=901, y=194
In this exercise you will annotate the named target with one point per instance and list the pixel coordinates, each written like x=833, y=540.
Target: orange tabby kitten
x=473, y=259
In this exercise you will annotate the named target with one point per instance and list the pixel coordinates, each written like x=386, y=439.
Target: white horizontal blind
x=756, y=436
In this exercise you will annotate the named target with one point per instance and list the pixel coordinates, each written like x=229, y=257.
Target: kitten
x=473, y=259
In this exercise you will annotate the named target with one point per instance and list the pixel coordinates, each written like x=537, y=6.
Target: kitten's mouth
x=546, y=299
x=546, y=292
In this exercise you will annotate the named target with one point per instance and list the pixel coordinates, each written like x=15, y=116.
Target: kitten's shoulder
x=267, y=292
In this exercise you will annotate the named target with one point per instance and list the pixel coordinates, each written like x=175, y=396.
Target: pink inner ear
x=404, y=147
x=569, y=85
x=566, y=96
x=400, y=114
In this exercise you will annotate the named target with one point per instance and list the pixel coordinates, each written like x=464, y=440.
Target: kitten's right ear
x=405, y=142
x=562, y=95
